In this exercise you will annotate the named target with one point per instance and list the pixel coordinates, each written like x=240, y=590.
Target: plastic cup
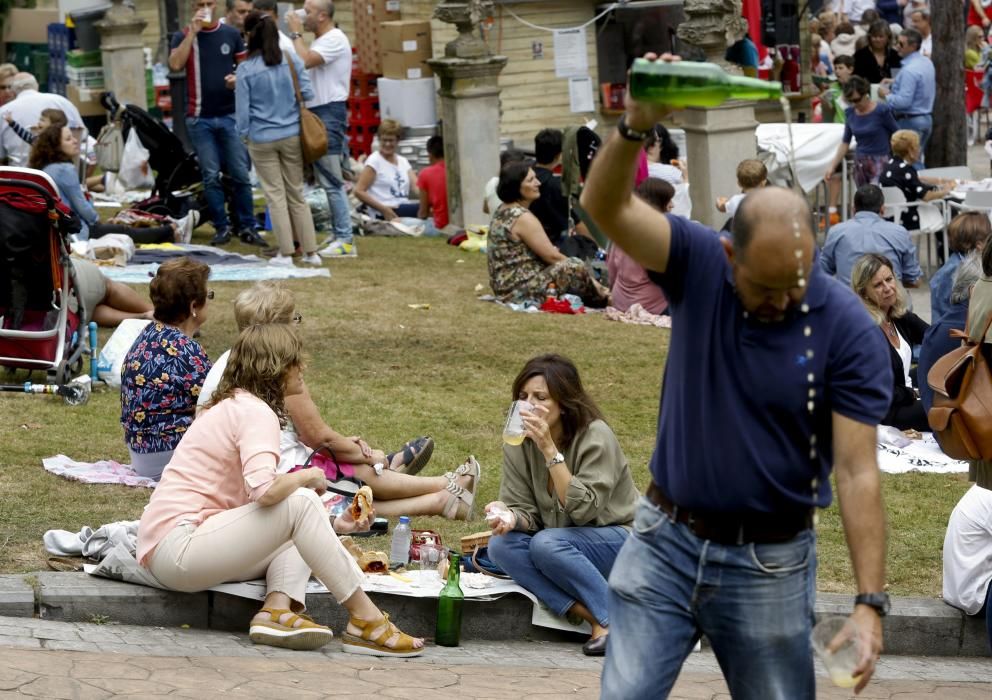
x=838, y=644
x=206, y=15
x=513, y=430
x=301, y=13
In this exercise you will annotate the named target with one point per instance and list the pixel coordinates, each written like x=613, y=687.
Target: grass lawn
x=382, y=370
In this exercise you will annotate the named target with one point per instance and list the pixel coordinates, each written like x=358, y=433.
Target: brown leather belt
x=734, y=528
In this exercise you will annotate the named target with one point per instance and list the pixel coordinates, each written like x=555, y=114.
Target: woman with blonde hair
x=899, y=172
x=222, y=512
x=885, y=299
x=387, y=183
x=397, y=489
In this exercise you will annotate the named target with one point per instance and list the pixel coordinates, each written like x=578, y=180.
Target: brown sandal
x=364, y=644
x=305, y=636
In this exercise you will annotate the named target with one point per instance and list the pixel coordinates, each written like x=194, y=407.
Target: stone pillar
x=123, y=55
x=469, y=109
x=717, y=139
x=470, y=114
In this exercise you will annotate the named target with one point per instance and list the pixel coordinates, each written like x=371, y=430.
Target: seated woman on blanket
x=567, y=498
x=629, y=282
x=885, y=298
x=522, y=260
x=53, y=151
x=223, y=513
x=387, y=183
x=396, y=489
x=165, y=368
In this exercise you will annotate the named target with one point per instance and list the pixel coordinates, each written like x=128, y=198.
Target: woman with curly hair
x=222, y=513
x=165, y=368
x=53, y=151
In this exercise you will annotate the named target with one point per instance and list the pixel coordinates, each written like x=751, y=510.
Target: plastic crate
x=364, y=85
x=84, y=59
x=360, y=144
x=85, y=77
x=364, y=109
x=22, y=55
x=61, y=39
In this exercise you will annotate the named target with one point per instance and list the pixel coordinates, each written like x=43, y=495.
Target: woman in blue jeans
x=567, y=498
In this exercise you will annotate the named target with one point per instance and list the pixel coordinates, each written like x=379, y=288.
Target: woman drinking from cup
x=566, y=497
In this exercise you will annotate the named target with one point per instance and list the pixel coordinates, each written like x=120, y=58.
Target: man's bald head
x=771, y=265
x=773, y=211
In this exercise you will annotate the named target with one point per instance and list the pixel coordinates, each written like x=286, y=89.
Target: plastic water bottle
x=551, y=291
x=399, y=548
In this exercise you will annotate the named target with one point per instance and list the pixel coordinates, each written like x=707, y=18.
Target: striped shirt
x=215, y=54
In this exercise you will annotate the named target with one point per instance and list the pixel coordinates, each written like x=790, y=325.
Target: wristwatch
x=559, y=458
x=879, y=601
x=295, y=35
x=629, y=133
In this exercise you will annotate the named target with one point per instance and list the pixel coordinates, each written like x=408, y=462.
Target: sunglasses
x=297, y=318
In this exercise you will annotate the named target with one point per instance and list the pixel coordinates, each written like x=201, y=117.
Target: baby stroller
x=42, y=317
x=178, y=180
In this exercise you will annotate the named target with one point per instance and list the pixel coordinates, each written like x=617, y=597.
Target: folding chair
x=931, y=219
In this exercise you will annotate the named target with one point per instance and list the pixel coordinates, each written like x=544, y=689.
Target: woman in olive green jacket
x=566, y=498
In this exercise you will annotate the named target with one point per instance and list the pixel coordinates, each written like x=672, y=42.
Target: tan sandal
x=461, y=501
x=364, y=644
x=305, y=636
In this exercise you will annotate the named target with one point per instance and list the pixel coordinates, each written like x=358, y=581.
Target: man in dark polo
x=776, y=375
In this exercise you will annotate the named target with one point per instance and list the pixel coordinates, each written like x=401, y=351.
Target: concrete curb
x=915, y=627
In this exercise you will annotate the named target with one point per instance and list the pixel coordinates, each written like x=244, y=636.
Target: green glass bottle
x=688, y=84
x=449, y=607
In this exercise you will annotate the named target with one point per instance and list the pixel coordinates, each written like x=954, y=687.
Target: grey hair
x=968, y=273
x=913, y=37
x=22, y=82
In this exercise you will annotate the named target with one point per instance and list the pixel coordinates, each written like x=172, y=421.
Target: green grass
x=387, y=372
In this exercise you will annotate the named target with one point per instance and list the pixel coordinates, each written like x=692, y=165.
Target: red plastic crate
x=360, y=144
x=363, y=109
x=364, y=85
x=163, y=99
x=362, y=126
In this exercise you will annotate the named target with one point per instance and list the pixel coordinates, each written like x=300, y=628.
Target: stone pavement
x=46, y=659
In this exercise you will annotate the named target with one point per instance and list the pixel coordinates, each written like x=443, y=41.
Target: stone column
x=470, y=114
x=717, y=139
x=123, y=54
x=470, y=109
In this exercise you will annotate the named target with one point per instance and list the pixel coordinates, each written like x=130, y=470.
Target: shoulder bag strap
x=296, y=80
x=331, y=485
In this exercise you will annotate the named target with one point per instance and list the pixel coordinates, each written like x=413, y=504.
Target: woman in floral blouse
x=522, y=260
x=165, y=368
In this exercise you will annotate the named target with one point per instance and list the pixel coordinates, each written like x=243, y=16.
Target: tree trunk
x=949, y=141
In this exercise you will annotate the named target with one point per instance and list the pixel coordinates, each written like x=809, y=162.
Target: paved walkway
x=46, y=659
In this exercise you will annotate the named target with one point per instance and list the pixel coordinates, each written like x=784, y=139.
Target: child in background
x=751, y=174
x=832, y=104
x=433, y=187
x=49, y=117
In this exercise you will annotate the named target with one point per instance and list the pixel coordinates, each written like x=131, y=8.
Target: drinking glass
x=839, y=646
x=513, y=430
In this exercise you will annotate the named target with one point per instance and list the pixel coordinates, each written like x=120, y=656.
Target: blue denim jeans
x=753, y=602
x=922, y=125
x=328, y=169
x=562, y=566
x=218, y=148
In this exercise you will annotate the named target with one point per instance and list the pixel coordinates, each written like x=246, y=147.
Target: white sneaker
x=312, y=259
x=338, y=249
x=282, y=261
x=186, y=225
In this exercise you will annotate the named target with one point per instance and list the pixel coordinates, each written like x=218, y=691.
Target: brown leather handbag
x=961, y=415
x=313, y=133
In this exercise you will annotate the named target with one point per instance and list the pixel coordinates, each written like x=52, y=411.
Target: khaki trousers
x=284, y=542
x=279, y=165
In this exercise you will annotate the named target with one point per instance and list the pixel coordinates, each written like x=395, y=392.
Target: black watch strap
x=629, y=133
x=879, y=601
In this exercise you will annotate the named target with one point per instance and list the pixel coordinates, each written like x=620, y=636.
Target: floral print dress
x=160, y=382
x=516, y=273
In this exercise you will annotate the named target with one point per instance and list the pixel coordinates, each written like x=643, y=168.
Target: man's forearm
x=180, y=54
x=863, y=516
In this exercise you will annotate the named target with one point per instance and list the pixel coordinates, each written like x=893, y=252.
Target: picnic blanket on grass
x=106, y=471
x=898, y=454
x=240, y=272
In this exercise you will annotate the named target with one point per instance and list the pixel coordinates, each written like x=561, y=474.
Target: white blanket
x=898, y=454
x=816, y=145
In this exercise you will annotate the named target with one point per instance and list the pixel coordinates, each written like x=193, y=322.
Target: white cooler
x=410, y=102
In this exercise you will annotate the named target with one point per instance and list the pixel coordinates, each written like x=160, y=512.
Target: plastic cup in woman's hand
x=496, y=515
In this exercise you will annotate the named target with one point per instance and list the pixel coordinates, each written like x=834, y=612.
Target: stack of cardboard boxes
x=368, y=15
x=406, y=90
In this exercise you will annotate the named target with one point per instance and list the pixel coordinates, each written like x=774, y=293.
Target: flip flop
x=416, y=454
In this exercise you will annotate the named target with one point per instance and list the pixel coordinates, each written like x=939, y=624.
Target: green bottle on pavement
x=449, y=607
x=688, y=84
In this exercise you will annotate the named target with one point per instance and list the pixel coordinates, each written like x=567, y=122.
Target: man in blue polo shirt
x=209, y=52
x=911, y=95
x=775, y=375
